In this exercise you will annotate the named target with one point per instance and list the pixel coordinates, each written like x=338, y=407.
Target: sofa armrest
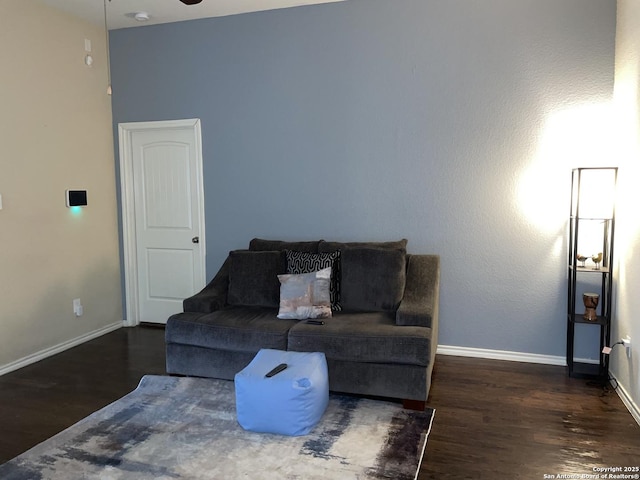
x=212, y=297
x=420, y=303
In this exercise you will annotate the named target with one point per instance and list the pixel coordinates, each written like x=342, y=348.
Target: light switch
x=0, y=202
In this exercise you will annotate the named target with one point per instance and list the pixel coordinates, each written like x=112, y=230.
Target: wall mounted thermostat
x=76, y=198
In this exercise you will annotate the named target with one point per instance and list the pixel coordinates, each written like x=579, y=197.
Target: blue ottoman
x=289, y=403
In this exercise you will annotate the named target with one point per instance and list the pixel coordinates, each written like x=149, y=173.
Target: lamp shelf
x=578, y=318
x=580, y=269
x=591, y=219
x=587, y=370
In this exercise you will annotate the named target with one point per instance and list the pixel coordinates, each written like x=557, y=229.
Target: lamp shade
x=595, y=190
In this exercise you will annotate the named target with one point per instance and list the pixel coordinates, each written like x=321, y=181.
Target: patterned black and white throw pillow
x=305, y=262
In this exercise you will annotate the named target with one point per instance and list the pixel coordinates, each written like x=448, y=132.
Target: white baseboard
x=627, y=400
x=501, y=355
x=61, y=347
x=507, y=355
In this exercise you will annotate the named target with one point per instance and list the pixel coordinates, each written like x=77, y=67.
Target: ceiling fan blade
x=190, y=2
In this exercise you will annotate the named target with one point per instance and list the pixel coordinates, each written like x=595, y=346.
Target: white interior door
x=163, y=217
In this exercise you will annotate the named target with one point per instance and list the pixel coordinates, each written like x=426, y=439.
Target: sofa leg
x=414, y=404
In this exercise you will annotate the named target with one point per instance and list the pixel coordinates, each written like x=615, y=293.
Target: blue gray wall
x=383, y=119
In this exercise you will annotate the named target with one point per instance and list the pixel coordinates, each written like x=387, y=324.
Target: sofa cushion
x=260, y=244
x=333, y=246
x=253, y=278
x=363, y=337
x=242, y=329
x=305, y=262
x=373, y=279
x=305, y=295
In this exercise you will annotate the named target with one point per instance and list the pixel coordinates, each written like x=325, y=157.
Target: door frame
x=127, y=204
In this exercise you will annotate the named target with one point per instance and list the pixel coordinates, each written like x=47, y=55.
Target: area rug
x=186, y=428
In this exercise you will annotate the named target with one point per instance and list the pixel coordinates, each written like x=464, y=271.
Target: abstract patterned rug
x=186, y=428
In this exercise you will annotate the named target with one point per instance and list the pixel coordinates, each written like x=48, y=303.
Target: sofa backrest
x=253, y=278
x=325, y=246
x=260, y=244
x=369, y=276
x=373, y=279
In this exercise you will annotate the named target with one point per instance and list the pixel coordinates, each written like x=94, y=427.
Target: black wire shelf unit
x=591, y=232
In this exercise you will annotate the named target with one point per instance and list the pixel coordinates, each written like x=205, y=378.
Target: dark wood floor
x=494, y=419
x=497, y=419
x=42, y=399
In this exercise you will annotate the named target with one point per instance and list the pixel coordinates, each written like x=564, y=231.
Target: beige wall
x=55, y=133
x=627, y=98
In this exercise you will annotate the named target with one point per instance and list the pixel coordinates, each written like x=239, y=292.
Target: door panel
x=166, y=183
x=170, y=274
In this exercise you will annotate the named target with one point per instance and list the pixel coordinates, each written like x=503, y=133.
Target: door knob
x=195, y=240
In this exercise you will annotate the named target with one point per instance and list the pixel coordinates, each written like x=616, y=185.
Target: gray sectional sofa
x=381, y=339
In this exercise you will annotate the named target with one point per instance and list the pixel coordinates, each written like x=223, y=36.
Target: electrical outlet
x=626, y=341
x=77, y=307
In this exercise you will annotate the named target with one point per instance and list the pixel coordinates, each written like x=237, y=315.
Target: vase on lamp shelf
x=590, y=301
